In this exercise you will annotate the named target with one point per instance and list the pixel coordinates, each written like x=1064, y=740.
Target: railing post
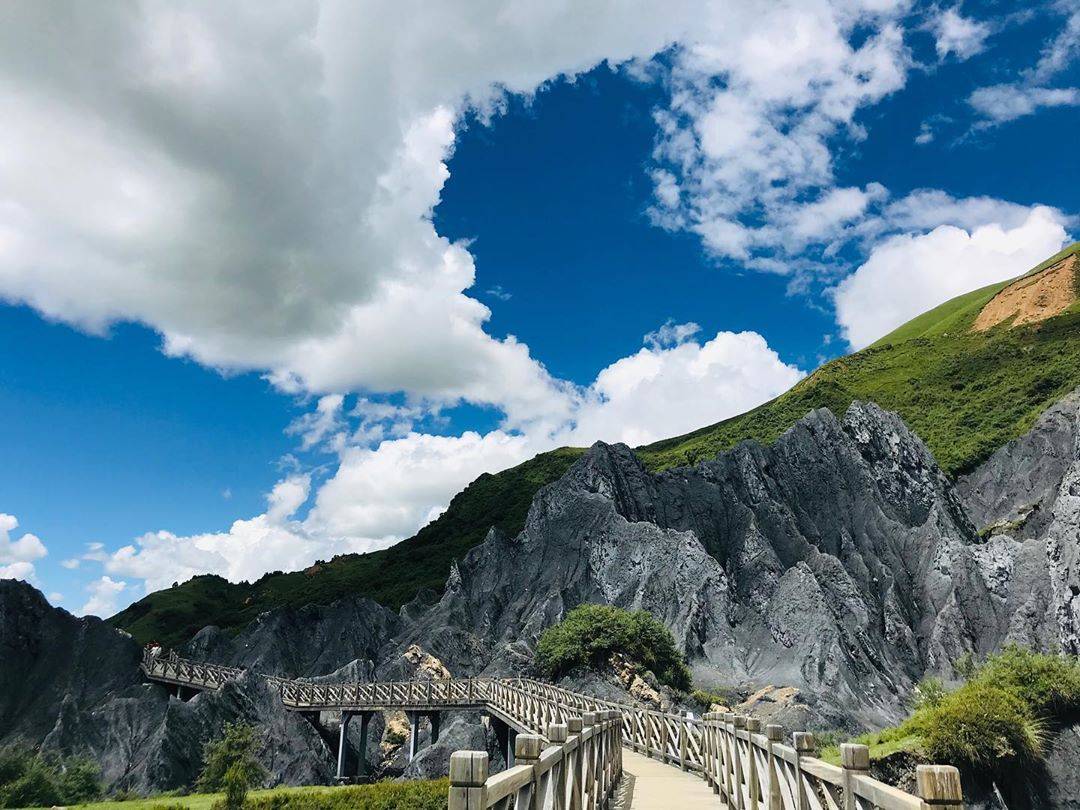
x=468, y=772
x=710, y=752
x=574, y=726
x=753, y=726
x=774, y=734
x=557, y=734
x=939, y=786
x=728, y=747
x=803, y=743
x=740, y=797
x=527, y=748
x=683, y=743
x=855, y=760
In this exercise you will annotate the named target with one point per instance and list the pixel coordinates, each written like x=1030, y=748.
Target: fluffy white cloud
x=1006, y=102
x=956, y=34
x=668, y=389
x=745, y=161
x=17, y=556
x=257, y=184
x=908, y=274
x=272, y=540
x=104, y=596
x=388, y=492
x=1000, y=103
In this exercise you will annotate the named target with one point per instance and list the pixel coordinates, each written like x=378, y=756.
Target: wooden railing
x=570, y=748
x=169, y=668
x=450, y=692
x=576, y=764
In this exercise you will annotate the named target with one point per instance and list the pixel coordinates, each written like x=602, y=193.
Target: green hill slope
x=965, y=393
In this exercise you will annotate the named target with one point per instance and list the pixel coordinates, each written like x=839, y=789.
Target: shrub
x=928, y=694
x=229, y=762
x=591, y=634
x=708, y=697
x=1047, y=684
x=378, y=796
x=979, y=725
x=28, y=779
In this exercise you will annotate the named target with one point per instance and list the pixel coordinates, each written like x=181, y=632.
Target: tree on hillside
x=591, y=634
x=229, y=765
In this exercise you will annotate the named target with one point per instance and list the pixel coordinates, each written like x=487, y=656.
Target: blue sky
x=277, y=288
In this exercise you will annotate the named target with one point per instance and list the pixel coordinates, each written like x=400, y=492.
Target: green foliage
x=379, y=796
x=411, y=795
x=965, y=666
x=229, y=765
x=591, y=634
x=928, y=694
x=979, y=725
x=1049, y=685
x=28, y=779
x=708, y=697
x=998, y=717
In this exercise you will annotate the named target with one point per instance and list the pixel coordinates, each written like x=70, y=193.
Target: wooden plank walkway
x=664, y=787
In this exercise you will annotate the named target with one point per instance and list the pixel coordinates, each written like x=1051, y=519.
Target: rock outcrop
x=839, y=561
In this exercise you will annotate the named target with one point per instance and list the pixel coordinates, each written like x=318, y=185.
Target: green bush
x=707, y=697
x=1048, y=684
x=229, y=762
x=379, y=796
x=591, y=634
x=979, y=725
x=28, y=779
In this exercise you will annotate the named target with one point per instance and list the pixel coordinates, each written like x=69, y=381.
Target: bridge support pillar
x=361, y=765
x=505, y=736
x=343, y=745
x=414, y=733
x=434, y=718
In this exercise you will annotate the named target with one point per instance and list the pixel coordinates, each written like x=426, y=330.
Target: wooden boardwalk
x=662, y=787
x=571, y=749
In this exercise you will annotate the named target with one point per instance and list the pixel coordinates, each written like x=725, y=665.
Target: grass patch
x=998, y=718
x=419, y=795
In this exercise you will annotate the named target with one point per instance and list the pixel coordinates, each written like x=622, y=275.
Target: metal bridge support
x=343, y=745
x=344, y=750
x=434, y=719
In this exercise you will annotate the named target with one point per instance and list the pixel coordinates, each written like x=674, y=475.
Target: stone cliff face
x=839, y=561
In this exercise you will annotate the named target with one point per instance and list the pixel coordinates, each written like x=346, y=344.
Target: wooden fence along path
x=569, y=754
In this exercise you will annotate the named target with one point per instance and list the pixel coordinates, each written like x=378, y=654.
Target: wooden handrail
x=577, y=741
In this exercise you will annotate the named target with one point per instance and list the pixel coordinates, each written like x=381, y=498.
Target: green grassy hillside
x=964, y=393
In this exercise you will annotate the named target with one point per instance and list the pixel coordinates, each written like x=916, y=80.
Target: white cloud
x=386, y=493
x=17, y=556
x=957, y=34
x=257, y=184
x=104, y=595
x=908, y=274
x=677, y=386
x=249, y=549
x=313, y=428
x=70, y=564
x=1001, y=103
x=744, y=162
x=1006, y=102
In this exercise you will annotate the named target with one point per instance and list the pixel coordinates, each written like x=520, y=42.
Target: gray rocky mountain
x=839, y=561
